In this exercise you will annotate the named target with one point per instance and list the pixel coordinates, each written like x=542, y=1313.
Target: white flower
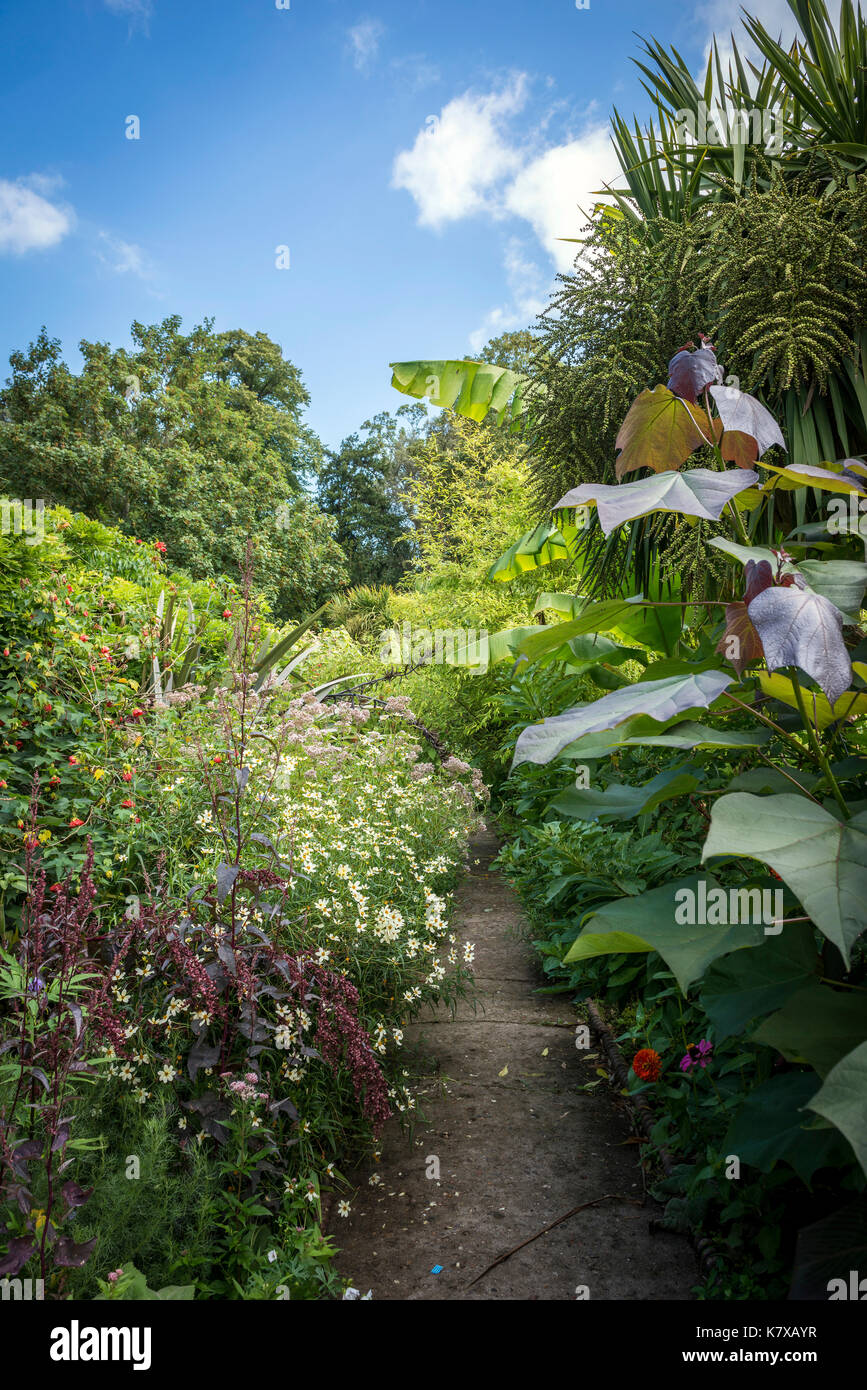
x=343, y=1208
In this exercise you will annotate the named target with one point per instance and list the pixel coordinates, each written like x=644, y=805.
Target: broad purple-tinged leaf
x=690, y=372
x=660, y=431
x=76, y=1014
x=759, y=576
x=76, y=1196
x=202, y=1054
x=61, y=1138
x=698, y=492
x=740, y=643
x=661, y=700
x=740, y=411
x=20, y=1250
x=31, y=1148
x=738, y=448
x=226, y=875
x=70, y=1255
x=801, y=628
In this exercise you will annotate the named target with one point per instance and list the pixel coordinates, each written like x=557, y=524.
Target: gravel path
x=510, y=1143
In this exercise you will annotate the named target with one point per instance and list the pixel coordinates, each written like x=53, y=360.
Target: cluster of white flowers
x=388, y=924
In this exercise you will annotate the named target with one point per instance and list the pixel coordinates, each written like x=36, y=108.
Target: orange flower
x=647, y=1064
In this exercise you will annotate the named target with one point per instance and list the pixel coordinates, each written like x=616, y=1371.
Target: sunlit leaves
x=474, y=389
x=660, y=431
x=661, y=700
x=698, y=492
x=740, y=411
x=819, y=711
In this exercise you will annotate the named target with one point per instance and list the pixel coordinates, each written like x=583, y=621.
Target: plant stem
x=816, y=745
x=770, y=723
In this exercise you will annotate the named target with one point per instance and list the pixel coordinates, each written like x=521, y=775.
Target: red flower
x=136, y=713
x=73, y=758
x=5, y=651
x=160, y=545
x=2, y=783
x=137, y=819
x=218, y=758
x=82, y=637
x=647, y=1064
x=227, y=612
x=75, y=822
x=55, y=781
x=127, y=776
x=128, y=804
x=56, y=888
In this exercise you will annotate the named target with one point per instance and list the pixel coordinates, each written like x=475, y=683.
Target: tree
x=363, y=486
x=193, y=439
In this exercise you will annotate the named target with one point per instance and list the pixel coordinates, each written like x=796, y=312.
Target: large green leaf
x=818, y=1025
x=593, y=618
x=690, y=735
x=642, y=732
x=746, y=985
x=843, y=1100
x=661, y=700
x=841, y=581
x=830, y=1249
x=771, y=1127
x=743, y=552
x=541, y=546
x=474, y=389
x=698, y=492
x=823, y=860
x=647, y=923
x=620, y=801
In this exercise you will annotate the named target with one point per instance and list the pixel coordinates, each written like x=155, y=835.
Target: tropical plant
x=782, y=652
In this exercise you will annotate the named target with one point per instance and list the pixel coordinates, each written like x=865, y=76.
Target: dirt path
x=515, y=1149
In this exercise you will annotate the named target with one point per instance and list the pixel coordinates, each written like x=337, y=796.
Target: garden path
x=517, y=1143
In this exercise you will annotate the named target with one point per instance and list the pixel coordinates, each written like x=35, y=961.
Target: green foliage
x=195, y=440
x=362, y=486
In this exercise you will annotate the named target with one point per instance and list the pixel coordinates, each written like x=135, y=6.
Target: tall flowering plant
x=57, y=1014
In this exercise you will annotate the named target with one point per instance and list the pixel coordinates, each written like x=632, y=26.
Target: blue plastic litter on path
x=437, y=1269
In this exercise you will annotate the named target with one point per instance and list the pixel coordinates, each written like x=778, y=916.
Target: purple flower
x=697, y=1055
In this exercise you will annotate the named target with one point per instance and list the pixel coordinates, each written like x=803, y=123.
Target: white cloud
x=28, y=220
x=364, y=40
x=468, y=161
x=555, y=191
x=123, y=257
x=458, y=163
x=530, y=290
x=135, y=9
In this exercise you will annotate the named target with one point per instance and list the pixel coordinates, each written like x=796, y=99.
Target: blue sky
x=419, y=159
